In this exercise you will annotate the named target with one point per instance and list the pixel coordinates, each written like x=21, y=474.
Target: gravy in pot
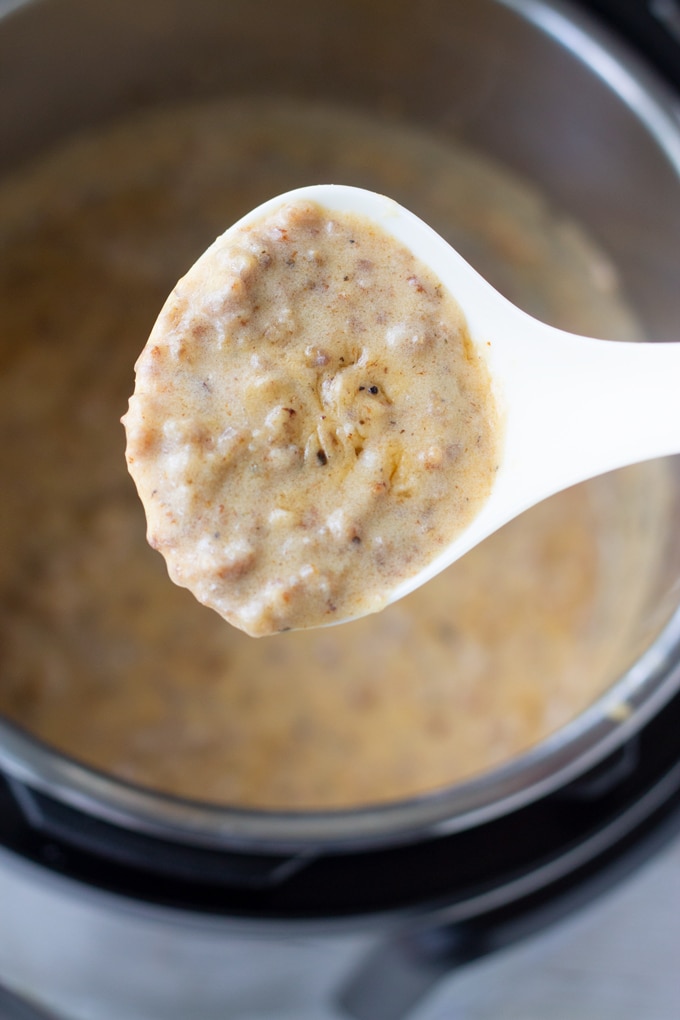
x=104, y=659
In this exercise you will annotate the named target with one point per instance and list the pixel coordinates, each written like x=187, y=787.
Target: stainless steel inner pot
x=536, y=85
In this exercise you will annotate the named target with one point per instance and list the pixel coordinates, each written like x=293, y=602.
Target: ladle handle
x=583, y=407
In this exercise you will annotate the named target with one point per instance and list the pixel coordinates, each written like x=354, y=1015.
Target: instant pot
x=116, y=901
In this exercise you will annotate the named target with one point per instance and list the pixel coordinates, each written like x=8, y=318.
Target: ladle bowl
x=572, y=407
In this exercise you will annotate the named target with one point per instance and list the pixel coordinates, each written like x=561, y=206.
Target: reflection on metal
x=12, y=1008
x=615, y=65
x=668, y=13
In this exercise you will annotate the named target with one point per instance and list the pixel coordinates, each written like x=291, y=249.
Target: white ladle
x=573, y=407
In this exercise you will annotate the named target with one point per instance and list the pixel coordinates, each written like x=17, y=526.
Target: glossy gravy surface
x=311, y=424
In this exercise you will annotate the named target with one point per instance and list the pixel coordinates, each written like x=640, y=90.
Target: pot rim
x=612, y=719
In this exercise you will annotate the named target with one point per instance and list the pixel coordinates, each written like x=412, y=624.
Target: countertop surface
x=616, y=959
